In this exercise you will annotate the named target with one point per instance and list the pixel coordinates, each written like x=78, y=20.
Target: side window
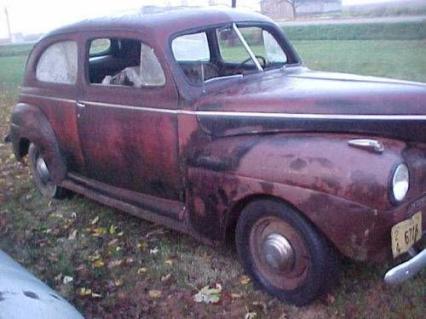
x=191, y=48
x=192, y=52
x=58, y=63
x=124, y=62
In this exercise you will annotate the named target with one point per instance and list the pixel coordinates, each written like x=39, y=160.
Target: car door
x=128, y=133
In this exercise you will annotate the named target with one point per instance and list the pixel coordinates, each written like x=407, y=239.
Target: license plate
x=406, y=233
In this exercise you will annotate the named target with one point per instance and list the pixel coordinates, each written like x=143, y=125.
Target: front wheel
x=41, y=174
x=284, y=253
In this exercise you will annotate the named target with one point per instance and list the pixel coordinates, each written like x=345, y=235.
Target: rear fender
x=30, y=125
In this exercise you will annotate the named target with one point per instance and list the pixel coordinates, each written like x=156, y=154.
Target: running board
x=173, y=218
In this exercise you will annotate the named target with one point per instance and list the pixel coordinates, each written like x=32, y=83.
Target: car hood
x=304, y=100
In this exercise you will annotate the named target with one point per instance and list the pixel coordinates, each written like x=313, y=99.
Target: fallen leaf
x=113, y=242
x=94, y=257
x=73, y=235
x=154, y=251
x=244, y=280
x=114, y=263
x=118, y=282
x=67, y=279
x=154, y=294
x=236, y=296
x=99, y=232
x=142, y=245
x=166, y=277
x=112, y=229
x=85, y=292
x=96, y=295
x=142, y=270
x=250, y=315
x=94, y=220
x=208, y=295
x=98, y=263
x=169, y=262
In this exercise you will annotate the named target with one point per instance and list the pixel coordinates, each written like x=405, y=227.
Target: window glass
x=191, y=47
x=260, y=41
x=99, y=46
x=58, y=63
x=131, y=63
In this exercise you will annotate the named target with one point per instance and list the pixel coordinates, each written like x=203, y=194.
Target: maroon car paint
x=195, y=155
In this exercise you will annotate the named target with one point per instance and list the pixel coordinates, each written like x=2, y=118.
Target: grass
x=122, y=259
x=358, y=31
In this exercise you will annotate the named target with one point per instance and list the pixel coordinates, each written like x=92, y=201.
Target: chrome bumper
x=407, y=269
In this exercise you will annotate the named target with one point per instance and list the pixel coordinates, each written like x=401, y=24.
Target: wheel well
x=24, y=145
x=237, y=209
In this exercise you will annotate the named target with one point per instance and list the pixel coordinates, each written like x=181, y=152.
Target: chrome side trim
x=295, y=116
x=48, y=97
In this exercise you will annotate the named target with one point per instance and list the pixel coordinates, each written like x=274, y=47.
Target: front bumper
x=408, y=269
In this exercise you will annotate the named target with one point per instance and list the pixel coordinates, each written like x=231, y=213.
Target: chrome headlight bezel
x=400, y=183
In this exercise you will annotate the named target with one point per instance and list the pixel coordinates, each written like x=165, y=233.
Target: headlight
x=400, y=182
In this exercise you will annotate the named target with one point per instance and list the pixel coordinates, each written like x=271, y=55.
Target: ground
x=111, y=265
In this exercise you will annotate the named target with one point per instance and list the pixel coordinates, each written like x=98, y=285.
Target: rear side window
x=58, y=63
x=124, y=62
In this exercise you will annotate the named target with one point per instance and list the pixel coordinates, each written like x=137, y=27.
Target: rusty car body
x=299, y=165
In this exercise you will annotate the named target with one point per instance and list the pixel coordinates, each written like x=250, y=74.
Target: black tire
x=41, y=175
x=298, y=274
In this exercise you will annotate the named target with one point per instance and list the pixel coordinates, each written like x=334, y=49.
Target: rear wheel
x=284, y=253
x=41, y=174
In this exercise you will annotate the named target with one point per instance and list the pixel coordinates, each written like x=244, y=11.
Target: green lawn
x=126, y=262
x=395, y=59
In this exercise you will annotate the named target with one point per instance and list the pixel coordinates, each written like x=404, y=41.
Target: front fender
x=321, y=162
x=29, y=124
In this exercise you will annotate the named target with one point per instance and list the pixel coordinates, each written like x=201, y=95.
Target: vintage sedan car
x=207, y=121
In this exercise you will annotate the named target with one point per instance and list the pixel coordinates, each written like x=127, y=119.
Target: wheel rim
x=42, y=170
x=279, y=253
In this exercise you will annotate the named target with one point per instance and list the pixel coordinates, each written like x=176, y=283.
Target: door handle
x=80, y=105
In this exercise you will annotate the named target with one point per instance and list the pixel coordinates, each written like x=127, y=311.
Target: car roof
x=165, y=23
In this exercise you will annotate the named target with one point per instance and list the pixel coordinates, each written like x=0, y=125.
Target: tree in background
x=234, y=3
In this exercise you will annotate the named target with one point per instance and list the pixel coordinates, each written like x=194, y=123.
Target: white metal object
x=23, y=296
x=407, y=269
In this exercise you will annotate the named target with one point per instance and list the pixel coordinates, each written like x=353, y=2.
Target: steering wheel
x=258, y=57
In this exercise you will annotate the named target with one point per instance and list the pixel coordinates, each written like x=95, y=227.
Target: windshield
x=227, y=52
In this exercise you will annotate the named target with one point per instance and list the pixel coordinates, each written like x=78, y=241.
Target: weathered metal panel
x=23, y=296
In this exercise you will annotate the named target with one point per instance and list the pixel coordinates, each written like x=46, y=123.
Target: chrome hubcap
x=278, y=252
x=42, y=170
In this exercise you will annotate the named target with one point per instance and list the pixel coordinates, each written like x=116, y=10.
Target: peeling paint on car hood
x=23, y=296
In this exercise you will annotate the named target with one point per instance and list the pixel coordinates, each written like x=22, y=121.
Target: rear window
x=58, y=63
